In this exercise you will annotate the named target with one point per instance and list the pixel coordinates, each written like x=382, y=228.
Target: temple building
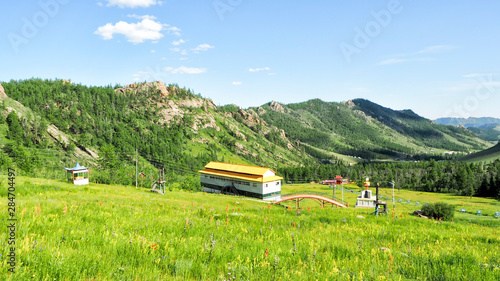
x=243, y=180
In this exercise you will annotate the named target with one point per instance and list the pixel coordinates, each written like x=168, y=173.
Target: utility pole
x=393, y=199
x=135, y=167
x=342, y=192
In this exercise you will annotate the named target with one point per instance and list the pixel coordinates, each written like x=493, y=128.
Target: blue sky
x=438, y=58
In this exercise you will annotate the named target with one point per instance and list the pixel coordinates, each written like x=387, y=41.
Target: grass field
x=101, y=232
x=488, y=207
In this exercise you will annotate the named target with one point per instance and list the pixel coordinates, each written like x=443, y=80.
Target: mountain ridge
x=486, y=127
x=170, y=122
x=361, y=124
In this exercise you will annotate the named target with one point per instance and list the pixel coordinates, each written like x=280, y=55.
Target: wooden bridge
x=322, y=198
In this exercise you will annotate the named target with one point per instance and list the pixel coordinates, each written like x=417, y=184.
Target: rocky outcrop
x=282, y=133
x=363, y=116
x=276, y=106
x=241, y=136
x=205, y=121
x=3, y=95
x=250, y=117
x=197, y=103
x=155, y=87
x=169, y=112
x=64, y=140
x=349, y=104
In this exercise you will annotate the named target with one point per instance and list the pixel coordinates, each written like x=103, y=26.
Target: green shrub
x=439, y=210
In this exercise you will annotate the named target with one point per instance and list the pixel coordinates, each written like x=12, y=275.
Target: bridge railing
x=327, y=195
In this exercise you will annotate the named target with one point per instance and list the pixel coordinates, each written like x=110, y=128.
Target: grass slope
x=488, y=155
x=102, y=232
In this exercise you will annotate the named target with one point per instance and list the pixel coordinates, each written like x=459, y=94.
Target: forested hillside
x=367, y=130
x=170, y=127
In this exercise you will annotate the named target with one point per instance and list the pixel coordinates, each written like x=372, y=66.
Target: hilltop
x=169, y=126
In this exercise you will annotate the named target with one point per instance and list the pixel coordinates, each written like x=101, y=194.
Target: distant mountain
x=486, y=127
x=365, y=129
x=475, y=122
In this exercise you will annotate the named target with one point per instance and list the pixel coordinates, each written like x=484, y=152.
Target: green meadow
x=488, y=207
x=104, y=232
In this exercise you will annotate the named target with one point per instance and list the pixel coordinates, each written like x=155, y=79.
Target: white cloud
x=182, y=52
x=396, y=60
x=153, y=51
x=178, y=42
x=468, y=87
x=132, y=3
x=151, y=73
x=141, y=76
x=237, y=83
x=476, y=82
x=134, y=32
x=460, y=88
x=477, y=75
x=202, y=47
x=436, y=49
x=259, y=69
x=185, y=70
x=417, y=56
x=173, y=30
x=142, y=17
x=392, y=61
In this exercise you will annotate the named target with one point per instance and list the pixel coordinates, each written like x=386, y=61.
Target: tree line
x=459, y=178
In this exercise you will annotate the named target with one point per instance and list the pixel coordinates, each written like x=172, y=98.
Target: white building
x=79, y=175
x=366, y=200
x=244, y=180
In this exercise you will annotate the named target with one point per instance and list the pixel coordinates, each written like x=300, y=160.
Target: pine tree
x=15, y=130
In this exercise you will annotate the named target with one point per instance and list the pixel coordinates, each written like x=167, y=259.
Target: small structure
x=380, y=206
x=79, y=175
x=328, y=182
x=366, y=199
x=338, y=180
x=243, y=180
x=159, y=185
